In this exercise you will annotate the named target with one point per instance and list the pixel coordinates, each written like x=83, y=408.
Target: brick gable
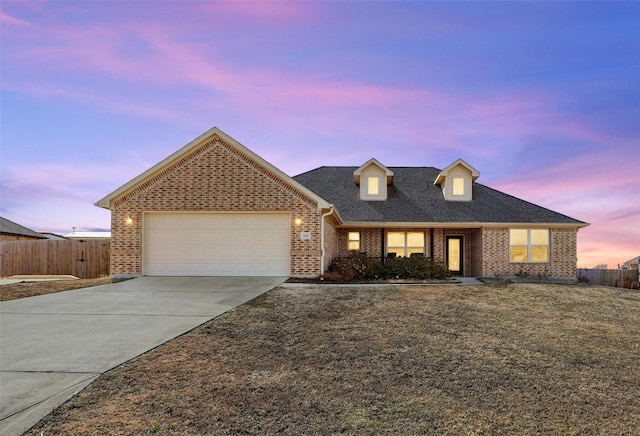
x=214, y=177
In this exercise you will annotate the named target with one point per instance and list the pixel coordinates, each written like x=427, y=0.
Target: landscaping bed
x=508, y=359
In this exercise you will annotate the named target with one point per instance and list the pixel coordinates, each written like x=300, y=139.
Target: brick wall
x=214, y=177
x=6, y=237
x=438, y=244
x=486, y=251
x=330, y=242
x=563, y=255
x=475, y=252
x=370, y=241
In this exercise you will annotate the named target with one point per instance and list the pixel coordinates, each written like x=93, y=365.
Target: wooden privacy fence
x=85, y=259
x=619, y=278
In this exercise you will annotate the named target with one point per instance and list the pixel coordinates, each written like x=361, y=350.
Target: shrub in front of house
x=357, y=267
x=416, y=267
x=347, y=269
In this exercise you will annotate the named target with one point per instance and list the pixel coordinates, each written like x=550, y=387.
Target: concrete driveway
x=54, y=345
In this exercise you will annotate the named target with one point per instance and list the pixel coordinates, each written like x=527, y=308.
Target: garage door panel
x=216, y=244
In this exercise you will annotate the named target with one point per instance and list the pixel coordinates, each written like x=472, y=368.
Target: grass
x=460, y=360
x=33, y=288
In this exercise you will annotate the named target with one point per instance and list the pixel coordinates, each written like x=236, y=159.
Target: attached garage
x=215, y=244
x=216, y=208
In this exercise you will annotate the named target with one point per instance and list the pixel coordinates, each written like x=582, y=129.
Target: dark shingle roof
x=11, y=228
x=414, y=198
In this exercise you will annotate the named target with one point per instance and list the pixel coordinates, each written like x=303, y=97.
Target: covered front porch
x=459, y=248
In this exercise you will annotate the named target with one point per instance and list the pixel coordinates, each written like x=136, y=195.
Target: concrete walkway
x=54, y=345
x=467, y=281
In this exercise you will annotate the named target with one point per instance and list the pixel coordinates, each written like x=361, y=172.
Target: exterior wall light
x=129, y=221
x=298, y=221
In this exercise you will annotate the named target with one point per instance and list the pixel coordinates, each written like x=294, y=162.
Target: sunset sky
x=543, y=98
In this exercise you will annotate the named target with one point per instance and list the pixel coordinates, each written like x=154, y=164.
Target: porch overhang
x=457, y=225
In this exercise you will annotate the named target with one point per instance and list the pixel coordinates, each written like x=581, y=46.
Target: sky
x=543, y=98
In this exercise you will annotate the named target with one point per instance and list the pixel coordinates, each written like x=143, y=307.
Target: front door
x=455, y=255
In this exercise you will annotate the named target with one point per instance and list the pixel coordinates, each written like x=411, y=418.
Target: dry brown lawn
x=461, y=360
x=32, y=288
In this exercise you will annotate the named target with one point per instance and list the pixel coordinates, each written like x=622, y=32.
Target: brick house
x=216, y=208
x=10, y=231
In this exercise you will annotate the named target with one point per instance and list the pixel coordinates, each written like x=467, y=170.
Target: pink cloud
x=7, y=19
x=309, y=100
x=599, y=189
x=372, y=116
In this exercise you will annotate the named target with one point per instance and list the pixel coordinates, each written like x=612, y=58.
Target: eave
x=457, y=225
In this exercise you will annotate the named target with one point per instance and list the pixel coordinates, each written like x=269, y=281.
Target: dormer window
x=373, y=186
x=456, y=181
x=458, y=186
x=373, y=178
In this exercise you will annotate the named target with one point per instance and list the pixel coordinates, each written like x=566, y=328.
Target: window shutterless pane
x=395, y=239
x=540, y=237
x=415, y=239
x=413, y=250
x=458, y=186
x=373, y=187
x=539, y=254
x=353, y=241
x=518, y=237
x=518, y=254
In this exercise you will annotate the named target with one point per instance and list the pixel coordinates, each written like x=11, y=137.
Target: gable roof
x=358, y=172
x=107, y=202
x=445, y=172
x=10, y=228
x=413, y=198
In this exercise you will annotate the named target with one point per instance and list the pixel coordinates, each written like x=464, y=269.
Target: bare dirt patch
x=516, y=359
x=33, y=288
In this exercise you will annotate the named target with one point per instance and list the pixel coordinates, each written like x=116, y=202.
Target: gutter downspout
x=322, y=251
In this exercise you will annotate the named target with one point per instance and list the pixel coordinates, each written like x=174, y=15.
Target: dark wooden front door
x=455, y=254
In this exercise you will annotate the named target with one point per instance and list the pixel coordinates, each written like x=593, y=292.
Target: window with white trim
x=404, y=244
x=529, y=245
x=373, y=186
x=353, y=241
x=458, y=186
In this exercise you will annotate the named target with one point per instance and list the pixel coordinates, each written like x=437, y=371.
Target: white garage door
x=216, y=244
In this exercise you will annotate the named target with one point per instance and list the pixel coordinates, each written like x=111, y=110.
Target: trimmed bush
x=357, y=267
x=346, y=269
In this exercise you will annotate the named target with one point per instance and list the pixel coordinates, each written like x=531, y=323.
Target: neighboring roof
x=632, y=261
x=87, y=235
x=10, y=228
x=53, y=236
x=413, y=198
x=107, y=202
